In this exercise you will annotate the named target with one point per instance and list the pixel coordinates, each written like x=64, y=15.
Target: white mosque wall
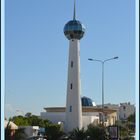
x=55, y=117
x=88, y=118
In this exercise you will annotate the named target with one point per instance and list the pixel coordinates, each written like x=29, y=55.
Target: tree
x=131, y=123
x=123, y=129
x=96, y=132
x=78, y=134
x=30, y=121
x=131, y=118
x=20, y=134
x=126, y=127
x=20, y=121
x=53, y=131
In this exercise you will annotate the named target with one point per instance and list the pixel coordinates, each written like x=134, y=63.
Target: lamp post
x=103, y=62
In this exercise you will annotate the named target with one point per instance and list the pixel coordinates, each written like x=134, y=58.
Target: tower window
x=71, y=86
x=70, y=109
x=71, y=64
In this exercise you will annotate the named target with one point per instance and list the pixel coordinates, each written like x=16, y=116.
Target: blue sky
x=36, y=52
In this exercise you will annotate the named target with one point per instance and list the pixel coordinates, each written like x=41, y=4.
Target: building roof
x=84, y=109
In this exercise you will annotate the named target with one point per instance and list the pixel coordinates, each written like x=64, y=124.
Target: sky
x=36, y=52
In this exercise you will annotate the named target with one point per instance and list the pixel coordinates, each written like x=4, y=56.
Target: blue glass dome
x=87, y=101
x=74, y=29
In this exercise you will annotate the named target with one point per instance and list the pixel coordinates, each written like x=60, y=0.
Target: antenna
x=74, y=13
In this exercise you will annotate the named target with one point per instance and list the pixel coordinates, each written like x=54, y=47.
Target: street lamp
x=103, y=62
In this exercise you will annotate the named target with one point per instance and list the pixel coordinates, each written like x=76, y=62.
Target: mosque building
x=79, y=112
x=90, y=114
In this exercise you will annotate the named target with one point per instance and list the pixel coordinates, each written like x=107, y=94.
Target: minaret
x=74, y=31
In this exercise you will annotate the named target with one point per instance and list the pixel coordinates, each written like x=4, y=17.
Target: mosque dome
x=74, y=29
x=87, y=101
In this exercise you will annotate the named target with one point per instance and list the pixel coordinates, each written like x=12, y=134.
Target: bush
x=53, y=131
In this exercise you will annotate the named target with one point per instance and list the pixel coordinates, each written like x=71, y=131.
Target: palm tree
x=53, y=131
x=78, y=134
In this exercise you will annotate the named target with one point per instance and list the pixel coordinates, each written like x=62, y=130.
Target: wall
x=125, y=110
x=89, y=117
x=54, y=117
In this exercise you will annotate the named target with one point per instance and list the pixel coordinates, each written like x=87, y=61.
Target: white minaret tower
x=74, y=31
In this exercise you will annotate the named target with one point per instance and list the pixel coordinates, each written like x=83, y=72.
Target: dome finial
x=74, y=13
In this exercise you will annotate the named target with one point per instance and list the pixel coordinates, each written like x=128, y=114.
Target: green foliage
x=126, y=127
x=92, y=133
x=53, y=131
x=20, y=134
x=31, y=120
x=78, y=134
x=96, y=132
x=34, y=120
x=20, y=121
x=131, y=118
